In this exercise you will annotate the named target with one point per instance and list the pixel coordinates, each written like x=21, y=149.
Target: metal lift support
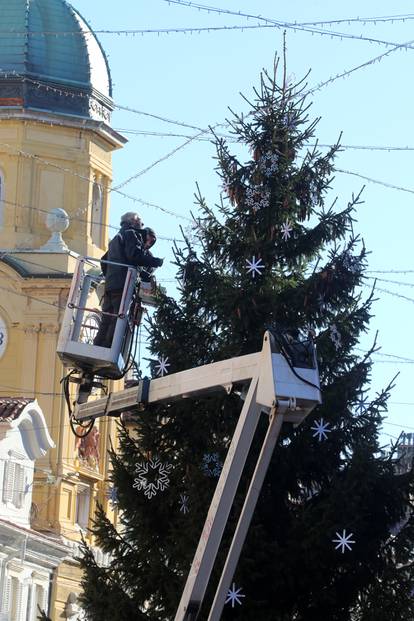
x=284, y=393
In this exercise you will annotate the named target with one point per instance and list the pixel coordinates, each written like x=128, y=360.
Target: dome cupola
x=50, y=60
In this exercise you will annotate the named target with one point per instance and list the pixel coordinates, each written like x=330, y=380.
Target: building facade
x=56, y=145
x=28, y=558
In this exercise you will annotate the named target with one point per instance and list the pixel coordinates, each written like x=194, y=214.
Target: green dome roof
x=34, y=46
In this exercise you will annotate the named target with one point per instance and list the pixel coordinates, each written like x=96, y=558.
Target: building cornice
x=100, y=128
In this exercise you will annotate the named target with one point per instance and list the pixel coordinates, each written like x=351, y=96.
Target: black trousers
x=111, y=303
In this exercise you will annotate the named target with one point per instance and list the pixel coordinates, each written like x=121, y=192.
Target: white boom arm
x=285, y=393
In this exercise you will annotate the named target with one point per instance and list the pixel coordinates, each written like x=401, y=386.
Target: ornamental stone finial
x=57, y=221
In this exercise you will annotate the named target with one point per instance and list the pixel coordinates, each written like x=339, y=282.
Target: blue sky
x=193, y=78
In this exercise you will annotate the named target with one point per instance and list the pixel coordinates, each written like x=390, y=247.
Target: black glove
x=158, y=262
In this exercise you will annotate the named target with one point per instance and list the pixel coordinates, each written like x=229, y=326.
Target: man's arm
x=135, y=253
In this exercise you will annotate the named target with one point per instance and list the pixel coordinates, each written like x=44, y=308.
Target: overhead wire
x=230, y=138
x=295, y=26
x=371, y=20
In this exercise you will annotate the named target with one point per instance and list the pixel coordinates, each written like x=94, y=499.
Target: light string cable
x=295, y=26
x=229, y=138
x=389, y=272
x=62, y=307
x=348, y=72
x=370, y=20
x=4, y=254
x=392, y=293
x=135, y=199
x=318, y=87
x=165, y=157
x=377, y=181
x=392, y=282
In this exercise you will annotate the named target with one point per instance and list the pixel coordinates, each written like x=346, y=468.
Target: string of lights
x=25, y=154
x=393, y=282
x=370, y=20
x=295, y=26
x=390, y=271
x=380, y=353
x=76, y=218
x=162, y=159
x=363, y=20
x=349, y=72
x=392, y=293
x=229, y=138
x=402, y=360
x=163, y=209
x=377, y=181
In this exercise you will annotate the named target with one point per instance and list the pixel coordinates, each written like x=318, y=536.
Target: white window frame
x=40, y=597
x=14, y=482
x=83, y=505
x=5, y=596
x=17, y=603
x=97, y=210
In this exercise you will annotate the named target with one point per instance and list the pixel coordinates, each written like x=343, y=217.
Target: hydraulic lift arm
x=275, y=387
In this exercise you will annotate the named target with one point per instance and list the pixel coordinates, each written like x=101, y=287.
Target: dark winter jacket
x=126, y=247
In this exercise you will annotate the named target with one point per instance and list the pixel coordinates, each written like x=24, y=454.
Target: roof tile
x=12, y=407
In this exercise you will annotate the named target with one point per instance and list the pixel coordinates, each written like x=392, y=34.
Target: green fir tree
x=309, y=266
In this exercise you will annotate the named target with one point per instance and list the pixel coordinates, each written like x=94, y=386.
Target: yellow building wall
x=46, y=167
x=32, y=308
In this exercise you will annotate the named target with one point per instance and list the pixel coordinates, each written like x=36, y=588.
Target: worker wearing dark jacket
x=131, y=247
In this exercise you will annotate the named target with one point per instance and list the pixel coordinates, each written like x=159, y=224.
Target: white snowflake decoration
x=286, y=230
x=268, y=164
x=321, y=430
x=184, y=504
x=112, y=495
x=152, y=477
x=211, y=465
x=254, y=266
x=361, y=404
x=288, y=121
x=257, y=198
x=351, y=263
x=321, y=302
x=162, y=366
x=234, y=595
x=344, y=541
x=335, y=337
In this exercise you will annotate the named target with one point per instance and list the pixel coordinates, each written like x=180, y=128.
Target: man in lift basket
x=130, y=246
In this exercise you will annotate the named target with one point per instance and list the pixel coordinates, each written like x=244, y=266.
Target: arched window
x=97, y=212
x=2, y=207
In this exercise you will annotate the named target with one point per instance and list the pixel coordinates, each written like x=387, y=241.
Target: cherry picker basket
x=81, y=321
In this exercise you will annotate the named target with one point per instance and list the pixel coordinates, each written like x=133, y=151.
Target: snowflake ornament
x=184, y=504
x=343, y=541
x=321, y=302
x=257, y=198
x=335, y=337
x=286, y=230
x=351, y=263
x=162, y=366
x=211, y=465
x=288, y=121
x=234, y=595
x=361, y=404
x=152, y=477
x=254, y=266
x=321, y=430
x=268, y=164
x=112, y=495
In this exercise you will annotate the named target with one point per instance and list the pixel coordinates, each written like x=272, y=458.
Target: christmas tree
x=332, y=535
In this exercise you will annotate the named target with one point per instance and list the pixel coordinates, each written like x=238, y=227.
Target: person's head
x=149, y=237
x=132, y=219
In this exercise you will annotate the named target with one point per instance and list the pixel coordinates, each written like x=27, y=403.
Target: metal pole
x=221, y=504
x=269, y=443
